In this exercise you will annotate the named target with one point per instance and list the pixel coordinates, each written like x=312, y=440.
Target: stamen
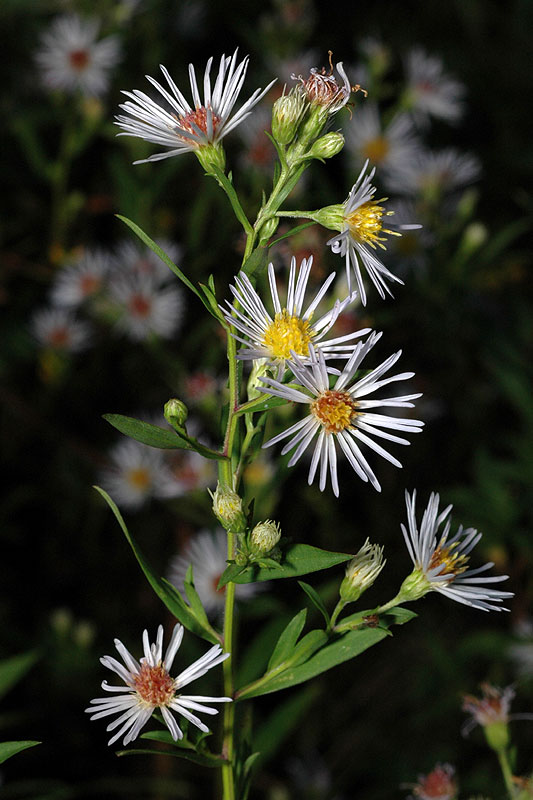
x=286, y=333
x=154, y=685
x=198, y=119
x=334, y=410
x=454, y=563
x=79, y=59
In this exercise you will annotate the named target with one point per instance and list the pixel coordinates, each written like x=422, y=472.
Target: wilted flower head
x=439, y=784
x=322, y=89
x=71, y=57
x=189, y=128
x=493, y=707
x=149, y=686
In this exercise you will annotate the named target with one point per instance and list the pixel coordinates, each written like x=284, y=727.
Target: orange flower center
x=334, y=410
x=198, y=119
x=59, y=337
x=79, y=59
x=438, y=784
x=454, y=563
x=139, y=305
x=154, y=685
x=376, y=150
x=139, y=478
x=89, y=284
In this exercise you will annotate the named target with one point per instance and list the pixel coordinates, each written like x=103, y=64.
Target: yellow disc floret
x=366, y=223
x=139, y=478
x=334, y=410
x=154, y=685
x=454, y=563
x=286, y=333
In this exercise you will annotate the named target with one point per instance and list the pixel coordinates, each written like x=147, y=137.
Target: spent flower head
x=439, y=784
x=187, y=128
x=341, y=415
x=149, y=686
x=441, y=563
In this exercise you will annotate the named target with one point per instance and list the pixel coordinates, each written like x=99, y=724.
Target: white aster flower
x=131, y=260
x=59, y=329
x=441, y=563
x=144, y=308
x=368, y=140
x=190, y=470
x=433, y=173
x=82, y=280
x=207, y=553
x=149, y=686
x=71, y=57
x=361, y=232
x=290, y=329
x=340, y=415
x=431, y=92
x=186, y=128
x=137, y=473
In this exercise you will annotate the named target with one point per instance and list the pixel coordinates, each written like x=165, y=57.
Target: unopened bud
x=327, y=146
x=362, y=571
x=287, y=114
x=176, y=413
x=227, y=508
x=211, y=155
x=260, y=368
x=265, y=536
x=267, y=230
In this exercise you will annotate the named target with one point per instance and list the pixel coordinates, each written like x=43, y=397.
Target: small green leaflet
x=162, y=438
x=8, y=749
x=298, y=559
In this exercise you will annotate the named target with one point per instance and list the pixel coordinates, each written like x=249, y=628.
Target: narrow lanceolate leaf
x=162, y=438
x=8, y=749
x=194, y=598
x=293, y=232
x=256, y=263
x=13, y=669
x=315, y=599
x=183, y=748
x=167, y=260
x=164, y=590
x=287, y=641
x=297, y=559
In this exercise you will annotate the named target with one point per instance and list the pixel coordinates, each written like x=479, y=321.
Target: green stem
x=338, y=608
x=228, y=743
x=507, y=772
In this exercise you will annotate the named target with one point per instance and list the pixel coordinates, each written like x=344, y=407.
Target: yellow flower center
x=366, y=222
x=334, y=410
x=139, y=478
x=154, y=685
x=454, y=563
x=376, y=150
x=287, y=333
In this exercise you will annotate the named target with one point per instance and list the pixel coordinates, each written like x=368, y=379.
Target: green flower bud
x=287, y=114
x=331, y=217
x=327, y=146
x=211, y=155
x=267, y=230
x=227, y=508
x=361, y=572
x=260, y=368
x=176, y=413
x=265, y=536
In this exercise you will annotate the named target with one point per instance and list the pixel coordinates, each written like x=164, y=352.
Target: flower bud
x=361, y=572
x=265, y=536
x=260, y=368
x=227, y=508
x=210, y=155
x=331, y=217
x=287, y=114
x=327, y=146
x=267, y=230
x=176, y=413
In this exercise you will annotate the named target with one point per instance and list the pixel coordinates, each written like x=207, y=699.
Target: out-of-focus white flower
x=78, y=282
x=410, y=251
x=58, y=329
x=492, y=708
x=187, y=128
x=361, y=225
x=71, y=57
x=521, y=652
x=190, y=470
x=431, y=92
x=131, y=260
x=439, y=784
x=137, y=473
x=199, y=386
x=291, y=329
x=386, y=147
x=149, y=686
x=340, y=415
x=259, y=151
x=145, y=308
x=433, y=173
x=441, y=563
x=207, y=552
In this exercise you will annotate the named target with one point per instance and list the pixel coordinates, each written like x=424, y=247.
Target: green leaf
x=167, y=260
x=316, y=600
x=253, y=660
x=194, y=598
x=8, y=749
x=298, y=559
x=13, y=670
x=154, y=436
x=293, y=232
x=399, y=616
x=192, y=751
x=255, y=264
x=190, y=755
x=273, y=731
x=163, y=589
x=264, y=403
x=287, y=640
x=227, y=184
x=230, y=574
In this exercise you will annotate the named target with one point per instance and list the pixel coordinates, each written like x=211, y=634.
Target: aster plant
x=283, y=354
